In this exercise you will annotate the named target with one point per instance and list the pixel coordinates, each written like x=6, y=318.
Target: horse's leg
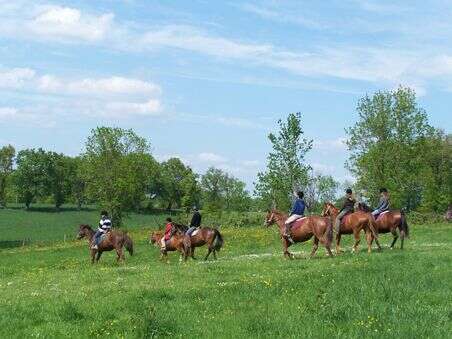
x=118, y=254
x=93, y=256
x=402, y=238
x=395, y=236
x=315, y=246
x=338, y=243
x=286, y=245
x=369, y=239
x=98, y=256
x=209, y=250
x=215, y=254
x=192, y=254
x=357, y=240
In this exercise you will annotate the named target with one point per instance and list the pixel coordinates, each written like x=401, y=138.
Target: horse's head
x=362, y=206
x=328, y=209
x=83, y=231
x=154, y=238
x=272, y=217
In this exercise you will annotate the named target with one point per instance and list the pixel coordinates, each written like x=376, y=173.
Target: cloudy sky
x=207, y=80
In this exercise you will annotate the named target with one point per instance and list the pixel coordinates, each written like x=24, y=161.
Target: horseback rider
x=383, y=206
x=195, y=221
x=104, y=227
x=347, y=207
x=168, y=233
x=297, y=212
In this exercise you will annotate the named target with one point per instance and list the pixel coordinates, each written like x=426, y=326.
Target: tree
x=286, y=169
x=31, y=176
x=174, y=174
x=58, y=174
x=222, y=191
x=387, y=146
x=115, y=169
x=191, y=191
x=77, y=180
x=7, y=154
x=321, y=188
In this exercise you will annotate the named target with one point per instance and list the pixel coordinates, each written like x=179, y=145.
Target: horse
x=177, y=242
x=390, y=221
x=302, y=230
x=353, y=223
x=204, y=235
x=114, y=240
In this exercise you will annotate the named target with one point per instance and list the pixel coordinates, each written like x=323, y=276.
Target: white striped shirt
x=104, y=224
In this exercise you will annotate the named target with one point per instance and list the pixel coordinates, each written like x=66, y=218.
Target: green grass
x=52, y=290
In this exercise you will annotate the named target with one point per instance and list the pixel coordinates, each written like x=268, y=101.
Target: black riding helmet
x=348, y=191
x=383, y=190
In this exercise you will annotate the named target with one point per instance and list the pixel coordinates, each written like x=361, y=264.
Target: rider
x=104, y=227
x=167, y=235
x=296, y=213
x=348, y=206
x=195, y=221
x=383, y=206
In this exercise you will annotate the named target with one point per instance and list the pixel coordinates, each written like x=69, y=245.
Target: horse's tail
x=128, y=244
x=373, y=227
x=218, y=240
x=329, y=231
x=404, y=224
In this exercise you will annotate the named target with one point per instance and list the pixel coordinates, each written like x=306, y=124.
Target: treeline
x=391, y=145
x=118, y=172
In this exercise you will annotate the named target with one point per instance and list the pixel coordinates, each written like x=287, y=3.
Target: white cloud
x=7, y=113
x=65, y=23
x=211, y=158
x=15, y=77
x=334, y=145
x=150, y=108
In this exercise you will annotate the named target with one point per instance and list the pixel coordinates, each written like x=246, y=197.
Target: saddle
x=378, y=216
x=296, y=223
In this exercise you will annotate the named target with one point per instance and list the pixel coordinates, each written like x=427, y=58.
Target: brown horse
x=204, y=235
x=390, y=221
x=178, y=242
x=114, y=240
x=302, y=230
x=353, y=223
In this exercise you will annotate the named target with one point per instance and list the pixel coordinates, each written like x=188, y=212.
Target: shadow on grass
x=4, y=244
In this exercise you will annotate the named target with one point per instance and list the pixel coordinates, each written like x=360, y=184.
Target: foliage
x=7, y=154
x=388, y=146
x=223, y=192
x=286, y=168
x=321, y=188
x=117, y=164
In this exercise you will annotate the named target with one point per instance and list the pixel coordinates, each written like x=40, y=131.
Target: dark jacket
x=298, y=207
x=196, y=219
x=349, y=204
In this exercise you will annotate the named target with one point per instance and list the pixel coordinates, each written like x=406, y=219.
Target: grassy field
x=49, y=289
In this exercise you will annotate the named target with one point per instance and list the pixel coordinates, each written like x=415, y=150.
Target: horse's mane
x=86, y=227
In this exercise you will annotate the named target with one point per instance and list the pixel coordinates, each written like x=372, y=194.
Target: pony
x=389, y=222
x=178, y=242
x=353, y=223
x=114, y=240
x=202, y=236
x=302, y=230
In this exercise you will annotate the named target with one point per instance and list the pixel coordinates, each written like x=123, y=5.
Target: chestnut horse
x=390, y=221
x=353, y=223
x=201, y=236
x=178, y=242
x=302, y=230
x=114, y=240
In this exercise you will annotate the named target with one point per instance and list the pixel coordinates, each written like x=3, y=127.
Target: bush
x=415, y=217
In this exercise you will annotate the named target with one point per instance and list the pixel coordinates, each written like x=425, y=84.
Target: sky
x=207, y=81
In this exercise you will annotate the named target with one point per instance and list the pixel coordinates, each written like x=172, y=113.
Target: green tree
x=388, y=145
x=7, y=154
x=174, y=174
x=77, y=180
x=222, y=191
x=31, y=176
x=286, y=168
x=191, y=191
x=321, y=188
x=116, y=169
x=437, y=174
x=58, y=174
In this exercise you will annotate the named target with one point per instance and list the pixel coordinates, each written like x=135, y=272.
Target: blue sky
x=207, y=80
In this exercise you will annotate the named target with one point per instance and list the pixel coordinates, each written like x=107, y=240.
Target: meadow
x=49, y=289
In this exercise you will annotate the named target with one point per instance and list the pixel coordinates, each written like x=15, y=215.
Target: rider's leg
x=337, y=223
x=96, y=239
x=288, y=223
x=163, y=244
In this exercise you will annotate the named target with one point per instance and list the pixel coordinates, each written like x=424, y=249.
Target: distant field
x=51, y=290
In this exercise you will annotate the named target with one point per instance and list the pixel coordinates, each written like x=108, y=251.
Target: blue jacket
x=298, y=207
